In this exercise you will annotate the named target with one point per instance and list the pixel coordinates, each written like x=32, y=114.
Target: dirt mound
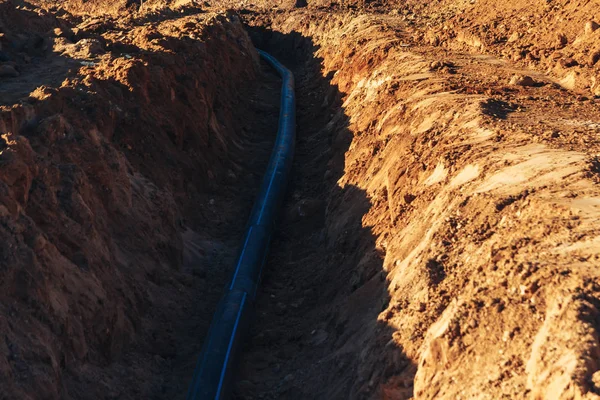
x=102, y=160
x=459, y=228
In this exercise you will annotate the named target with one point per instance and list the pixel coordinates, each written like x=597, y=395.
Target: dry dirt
x=440, y=236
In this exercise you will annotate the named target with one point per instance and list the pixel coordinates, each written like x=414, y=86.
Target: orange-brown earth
x=460, y=228
x=440, y=237
x=131, y=149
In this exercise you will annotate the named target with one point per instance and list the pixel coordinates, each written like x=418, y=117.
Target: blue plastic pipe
x=215, y=369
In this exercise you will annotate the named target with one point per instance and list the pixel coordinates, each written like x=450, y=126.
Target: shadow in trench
x=316, y=334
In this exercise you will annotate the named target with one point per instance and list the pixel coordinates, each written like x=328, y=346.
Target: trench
x=301, y=345
x=145, y=214
x=293, y=349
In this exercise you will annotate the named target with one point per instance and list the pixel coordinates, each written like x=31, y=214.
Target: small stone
x=39, y=243
x=561, y=41
x=590, y=27
x=523, y=289
x=517, y=56
x=519, y=80
x=409, y=198
x=89, y=47
x=301, y=4
x=568, y=62
x=514, y=37
x=289, y=378
x=435, y=65
x=8, y=71
x=596, y=379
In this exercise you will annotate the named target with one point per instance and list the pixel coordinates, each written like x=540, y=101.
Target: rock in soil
x=522, y=80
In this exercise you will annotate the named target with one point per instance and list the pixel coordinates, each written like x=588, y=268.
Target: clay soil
x=440, y=236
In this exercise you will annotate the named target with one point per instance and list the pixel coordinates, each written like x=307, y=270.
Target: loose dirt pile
x=124, y=173
x=460, y=230
x=440, y=238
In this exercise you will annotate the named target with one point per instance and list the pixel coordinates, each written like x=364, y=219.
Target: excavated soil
x=439, y=239
x=125, y=177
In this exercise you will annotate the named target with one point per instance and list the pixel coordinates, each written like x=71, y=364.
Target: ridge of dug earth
x=130, y=151
x=456, y=253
